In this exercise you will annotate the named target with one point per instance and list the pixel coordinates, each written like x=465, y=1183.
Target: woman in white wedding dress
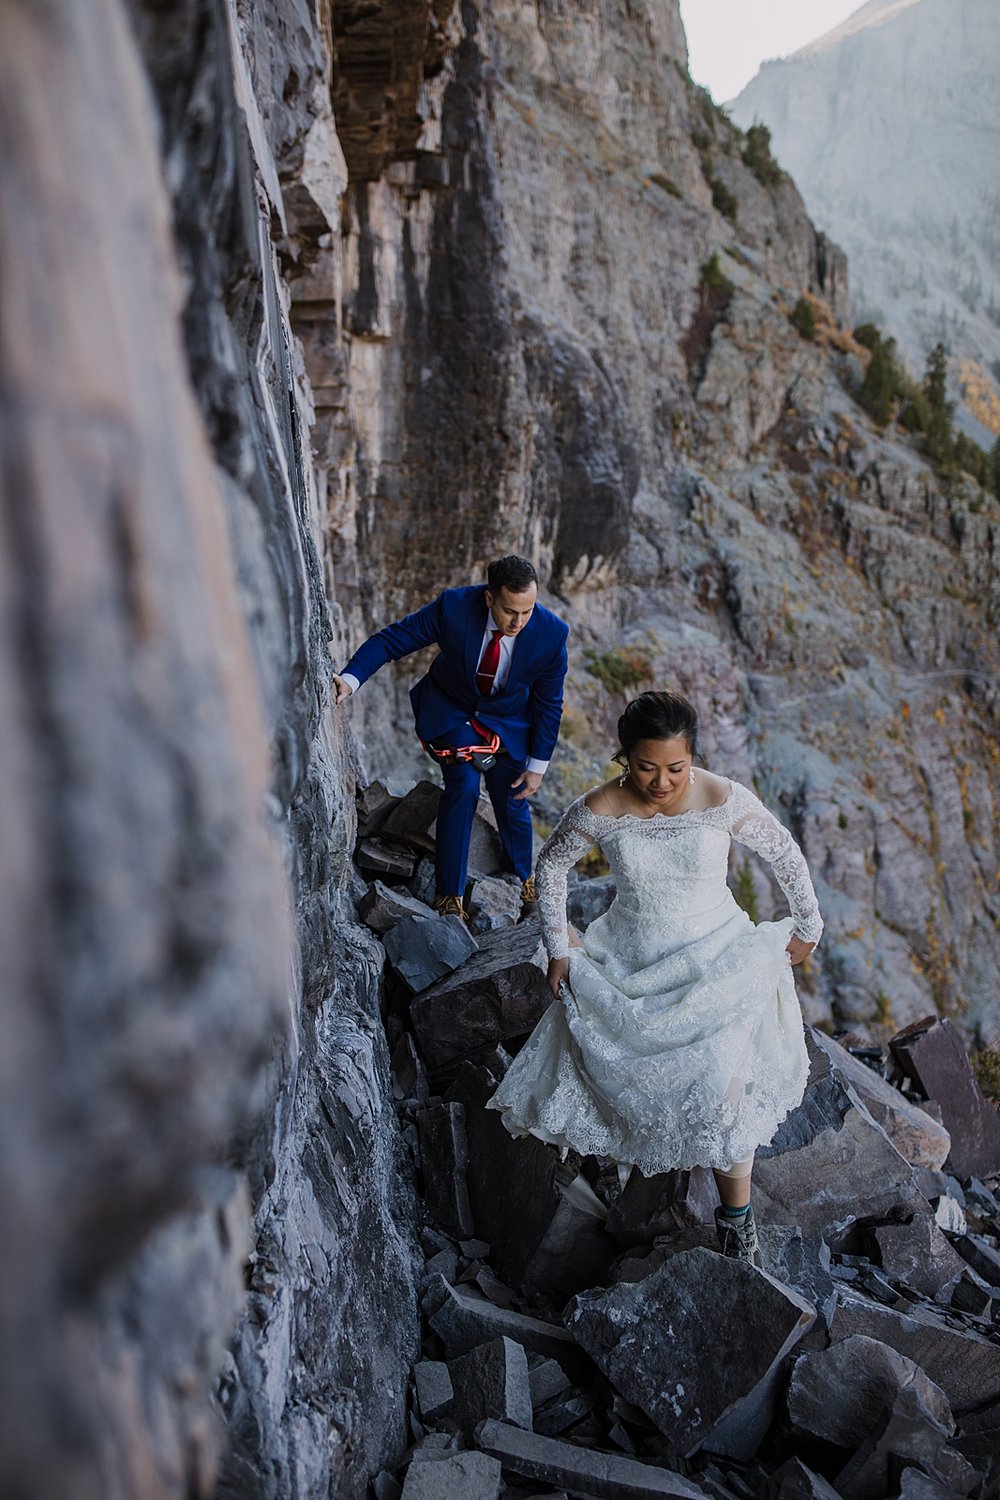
x=675, y=1039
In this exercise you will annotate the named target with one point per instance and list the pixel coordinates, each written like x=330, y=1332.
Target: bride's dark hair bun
x=658, y=716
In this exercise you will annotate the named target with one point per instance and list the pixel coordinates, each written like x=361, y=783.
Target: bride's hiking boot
x=450, y=906
x=738, y=1236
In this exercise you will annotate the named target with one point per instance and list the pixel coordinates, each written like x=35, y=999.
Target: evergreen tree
x=880, y=381
x=939, y=442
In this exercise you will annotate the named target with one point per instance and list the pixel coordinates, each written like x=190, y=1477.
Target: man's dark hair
x=513, y=573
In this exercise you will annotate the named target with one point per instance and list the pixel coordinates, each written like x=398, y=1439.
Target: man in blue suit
x=501, y=664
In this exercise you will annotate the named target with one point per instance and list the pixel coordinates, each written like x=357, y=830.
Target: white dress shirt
x=507, y=644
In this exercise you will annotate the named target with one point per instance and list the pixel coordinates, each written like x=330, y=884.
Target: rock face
x=871, y=121
x=183, y=985
x=307, y=312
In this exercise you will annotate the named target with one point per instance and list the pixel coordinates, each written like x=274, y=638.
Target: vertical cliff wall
x=199, y=1146
x=308, y=311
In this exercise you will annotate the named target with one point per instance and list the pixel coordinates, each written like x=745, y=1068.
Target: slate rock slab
x=463, y=1321
x=794, y=1481
x=917, y=1255
x=907, y=1432
x=435, y=1392
x=932, y=1054
x=485, y=849
x=916, y=1135
x=698, y=1346
x=444, y=1154
x=980, y=1255
x=381, y=907
x=962, y=1362
x=914, y=1484
x=659, y=1204
x=500, y=993
x=543, y=1241
x=425, y=949
x=411, y=821
x=460, y=1476
x=583, y=1472
x=374, y=803
x=588, y=898
x=376, y=856
x=829, y=1163
x=842, y=1393
x=491, y=1381
x=802, y=1262
x=494, y=904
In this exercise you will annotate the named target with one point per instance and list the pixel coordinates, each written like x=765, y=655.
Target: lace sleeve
x=753, y=826
x=573, y=836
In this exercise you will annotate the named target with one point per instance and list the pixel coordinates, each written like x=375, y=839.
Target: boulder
x=658, y=1205
x=374, y=803
x=829, y=1163
x=376, y=856
x=909, y=1431
x=916, y=1254
x=460, y=1476
x=444, y=1154
x=980, y=1255
x=843, y=1393
x=462, y=1321
x=381, y=907
x=411, y=820
x=666, y=1343
x=916, y=1135
x=970, y=1295
x=962, y=1362
x=543, y=1239
x=547, y=1381
x=588, y=898
x=491, y=1381
x=602, y=1476
x=494, y=903
x=803, y=1262
x=914, y=1484
x=932, y=1054
x=485, y=849
x=499, y=994
x=793, y=1481
x=434, y=1389
x=978, y=1440
x=423, y=950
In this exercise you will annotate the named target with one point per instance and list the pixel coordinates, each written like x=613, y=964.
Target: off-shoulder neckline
x=689, y=812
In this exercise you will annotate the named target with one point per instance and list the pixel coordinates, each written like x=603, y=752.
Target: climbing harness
x=482, y=756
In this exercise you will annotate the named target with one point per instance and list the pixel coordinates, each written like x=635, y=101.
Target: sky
x=729, y=39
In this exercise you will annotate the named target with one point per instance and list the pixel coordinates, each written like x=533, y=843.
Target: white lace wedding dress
x=680, y=1041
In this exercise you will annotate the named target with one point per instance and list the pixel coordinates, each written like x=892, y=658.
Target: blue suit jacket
x=525, y=713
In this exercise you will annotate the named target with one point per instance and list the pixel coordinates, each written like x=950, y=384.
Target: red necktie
x=488, y=666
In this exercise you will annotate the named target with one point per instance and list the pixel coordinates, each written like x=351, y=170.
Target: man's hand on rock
x=558, y=973
x=342, y=690
x=530, y=780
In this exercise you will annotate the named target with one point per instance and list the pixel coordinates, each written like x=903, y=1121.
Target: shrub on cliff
x=757, y=156
x=878, y=390
x=803, y=319
x=723, y=199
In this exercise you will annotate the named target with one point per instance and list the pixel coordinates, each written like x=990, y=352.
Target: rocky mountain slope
x=308, y=311
x=888, y=125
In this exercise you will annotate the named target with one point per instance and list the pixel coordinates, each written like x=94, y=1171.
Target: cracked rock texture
x=309, y=309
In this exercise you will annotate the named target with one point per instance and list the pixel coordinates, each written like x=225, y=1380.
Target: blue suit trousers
x=458, y=809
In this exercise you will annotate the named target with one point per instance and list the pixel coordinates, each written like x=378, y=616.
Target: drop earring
x=691, y=777
x=623, y=778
